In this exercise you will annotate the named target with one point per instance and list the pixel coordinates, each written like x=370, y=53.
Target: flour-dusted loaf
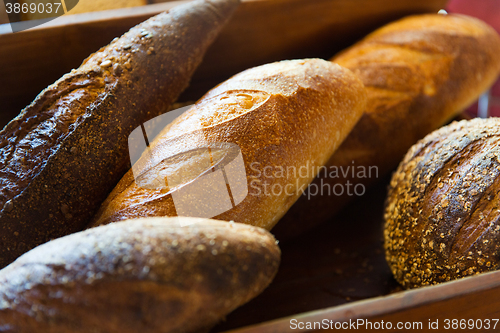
x=286, y=118
x=419, y=72
x=65, y=152
x=149, y=275
x=442, y=212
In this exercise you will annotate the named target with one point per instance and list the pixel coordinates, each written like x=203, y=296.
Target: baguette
x=419, y=73
x=284, y=117
x=66, y=151
x=149, y=275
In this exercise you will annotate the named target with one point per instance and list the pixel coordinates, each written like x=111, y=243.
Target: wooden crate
x=335, y=272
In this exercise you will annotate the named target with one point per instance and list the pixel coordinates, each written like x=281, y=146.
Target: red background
x=488, y=11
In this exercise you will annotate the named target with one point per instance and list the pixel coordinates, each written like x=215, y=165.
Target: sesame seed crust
x=442, y=212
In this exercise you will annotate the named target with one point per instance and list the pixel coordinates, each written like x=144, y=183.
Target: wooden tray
x=338, y=272
x=335, y=272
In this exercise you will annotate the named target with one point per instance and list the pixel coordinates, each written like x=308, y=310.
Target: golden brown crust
x=419, y=73
x=149, y=275
x=64, y=153
x=290, y=114
x=442, y=212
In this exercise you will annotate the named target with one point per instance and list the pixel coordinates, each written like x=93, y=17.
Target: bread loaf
x=285, y=118
x=149, y=275
x=419, y=72
x=66, y=151
x=442, y=212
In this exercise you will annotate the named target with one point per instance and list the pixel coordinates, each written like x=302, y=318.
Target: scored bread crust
x=419, y=72
x=65, y=152
x=148, y=275
x=442, y=213
x=293, y=114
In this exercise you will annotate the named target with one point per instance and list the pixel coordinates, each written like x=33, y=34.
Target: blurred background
x=262, y=31
x=488, y=11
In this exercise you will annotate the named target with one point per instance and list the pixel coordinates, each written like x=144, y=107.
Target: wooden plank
x=338, y=272
x=3, y=14
x=470, y=298
x=261, y=31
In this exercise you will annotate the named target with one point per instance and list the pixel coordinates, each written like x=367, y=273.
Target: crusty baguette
x=149, y=275
x=65, y=152
x=419, y=73
x=290, y=115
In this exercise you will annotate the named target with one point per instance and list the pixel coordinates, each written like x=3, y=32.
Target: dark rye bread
x=419, y=73
x=443, y=208
x=63, y=154
x=290, y=114
x=149, y=275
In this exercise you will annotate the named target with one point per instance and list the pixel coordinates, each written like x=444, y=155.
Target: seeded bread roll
x=149, y=275
x=65, y=152
x=442, y=213
x=288, y=115
x=419, y=73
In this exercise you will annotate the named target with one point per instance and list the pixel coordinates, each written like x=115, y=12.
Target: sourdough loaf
x=286, y=118
x=442, y=212
x=65, y=152
x=149, y=275
x=419, y=72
